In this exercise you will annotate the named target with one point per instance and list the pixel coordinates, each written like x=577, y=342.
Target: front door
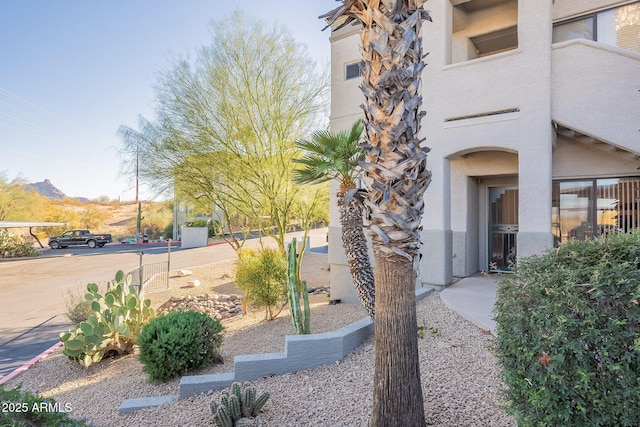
x=503, y=227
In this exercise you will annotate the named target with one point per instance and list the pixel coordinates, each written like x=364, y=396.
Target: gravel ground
x=459, y=374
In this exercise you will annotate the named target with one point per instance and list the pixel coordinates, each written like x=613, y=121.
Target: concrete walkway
x=473, y=298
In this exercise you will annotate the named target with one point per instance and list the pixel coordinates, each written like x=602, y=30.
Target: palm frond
x=330, y=155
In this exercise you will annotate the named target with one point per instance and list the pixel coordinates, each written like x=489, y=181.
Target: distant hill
x=47, y=189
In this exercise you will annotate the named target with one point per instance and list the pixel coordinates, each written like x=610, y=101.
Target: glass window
x=620, y=27
x=583, y=209
x=616, y=27
x=578, y=29
x=353, y=71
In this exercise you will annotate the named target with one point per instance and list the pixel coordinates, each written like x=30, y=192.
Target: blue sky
x=73, y=71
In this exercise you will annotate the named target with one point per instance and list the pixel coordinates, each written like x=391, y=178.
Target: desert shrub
x=13, y=247
x=114, y=325
x=237, y=406
x=22, y=408
x=569, y=334
x=78, y=309
x=179, y=342
x=262, y=275
x=168, y=232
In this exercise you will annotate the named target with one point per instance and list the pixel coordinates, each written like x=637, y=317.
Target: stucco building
x=533, y=118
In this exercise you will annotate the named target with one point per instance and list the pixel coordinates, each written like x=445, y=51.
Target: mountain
x=47, y=189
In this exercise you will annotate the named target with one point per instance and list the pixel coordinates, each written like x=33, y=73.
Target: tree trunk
x=356, y=251
x=396, y=177
x=397, y=393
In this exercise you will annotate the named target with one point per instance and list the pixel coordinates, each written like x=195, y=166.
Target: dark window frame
x=349, y=70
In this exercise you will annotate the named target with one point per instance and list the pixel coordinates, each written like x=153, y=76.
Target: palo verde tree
x=226, y=124
x=17, y=203
x=396, y=178
x=336, y=155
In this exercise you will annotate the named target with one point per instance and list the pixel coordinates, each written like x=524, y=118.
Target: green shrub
x=569, y=334
x=113, y=326
x=21, y=408
x=13, y=247
x=237, y=405
x=262, y=275
x=179, y=342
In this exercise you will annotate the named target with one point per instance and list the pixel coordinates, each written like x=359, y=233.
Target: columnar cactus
x=301, y=319
x=238, y=406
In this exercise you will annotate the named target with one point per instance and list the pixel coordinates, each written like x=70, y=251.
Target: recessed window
x=482, y=27
x=352, y=71
x=496, y=41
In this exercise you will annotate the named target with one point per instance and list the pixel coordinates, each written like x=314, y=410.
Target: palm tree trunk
x=396, y=177
x=356, y=251
x=397, y=392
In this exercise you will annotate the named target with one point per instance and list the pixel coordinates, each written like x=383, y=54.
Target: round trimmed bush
x=179, y=342
x=568, y=335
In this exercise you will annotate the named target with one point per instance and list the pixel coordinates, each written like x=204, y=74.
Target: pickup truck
x=79, y=237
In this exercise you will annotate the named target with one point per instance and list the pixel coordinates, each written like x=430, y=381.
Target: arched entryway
x=484, y=210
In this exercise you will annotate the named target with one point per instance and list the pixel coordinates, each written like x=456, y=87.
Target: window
x=352, y=71
x=616, y=27
x=480, y=28
x=589, y=208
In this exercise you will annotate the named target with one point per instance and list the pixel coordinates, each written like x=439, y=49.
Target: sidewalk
x=473, y=298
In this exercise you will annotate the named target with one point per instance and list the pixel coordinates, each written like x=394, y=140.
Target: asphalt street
x=33, y=291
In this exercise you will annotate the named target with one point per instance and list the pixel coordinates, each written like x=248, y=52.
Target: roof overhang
x=24, y=224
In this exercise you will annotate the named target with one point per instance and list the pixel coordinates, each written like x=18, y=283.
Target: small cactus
x=237, y=406
x=222, y=417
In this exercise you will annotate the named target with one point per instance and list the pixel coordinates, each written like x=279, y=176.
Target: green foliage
x=569, y=334
x=13, y=247
x=168, y=232
x=262, y=275
x=22, y=408
x=236, y=405
x=295, y=287
x=17, y=202
x=423, y=328
x=113, y=328
x=92, y=217
x=178, y=342
x=226, y=124
x=330, y=155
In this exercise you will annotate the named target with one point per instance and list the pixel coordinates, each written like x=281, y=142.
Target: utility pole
x=139, y=217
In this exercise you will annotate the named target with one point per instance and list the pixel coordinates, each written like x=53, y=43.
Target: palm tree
x=336, y=156
x=396, y=177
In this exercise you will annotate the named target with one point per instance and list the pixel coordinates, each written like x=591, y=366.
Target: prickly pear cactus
x=117, y=318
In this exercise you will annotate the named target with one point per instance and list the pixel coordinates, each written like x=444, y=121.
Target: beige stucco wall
x=580, y=84
x=596, y=91
x=575, y=160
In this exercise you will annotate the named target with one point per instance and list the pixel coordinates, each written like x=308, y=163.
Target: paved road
x=32, y=292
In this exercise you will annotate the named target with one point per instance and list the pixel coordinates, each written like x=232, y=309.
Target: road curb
x=30, y=363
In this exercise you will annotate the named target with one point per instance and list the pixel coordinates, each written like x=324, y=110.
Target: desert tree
x=336, y=155
x=226, y=124
x=396, y=177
